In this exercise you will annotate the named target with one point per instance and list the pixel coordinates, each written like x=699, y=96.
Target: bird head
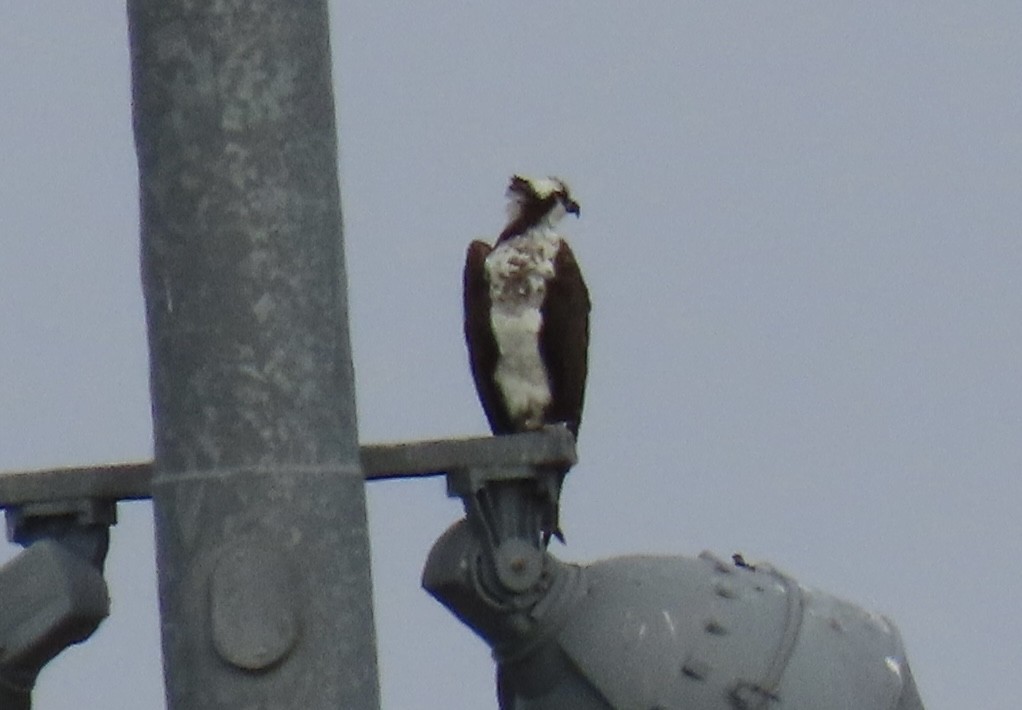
x=533, y=201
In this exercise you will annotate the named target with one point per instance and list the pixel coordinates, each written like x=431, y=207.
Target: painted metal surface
x=257, y=476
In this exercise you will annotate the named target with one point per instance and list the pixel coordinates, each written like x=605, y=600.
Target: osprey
x=527, y=321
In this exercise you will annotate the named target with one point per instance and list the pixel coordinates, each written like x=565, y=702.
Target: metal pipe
x=262, y=546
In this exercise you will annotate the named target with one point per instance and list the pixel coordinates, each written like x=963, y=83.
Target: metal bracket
x=80, y=511
x=500, y=479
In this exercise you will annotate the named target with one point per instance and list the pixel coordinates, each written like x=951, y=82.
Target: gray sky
x=801, y=232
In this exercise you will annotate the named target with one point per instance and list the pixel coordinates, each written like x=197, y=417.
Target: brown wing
x=564, y=339
x=482, y=346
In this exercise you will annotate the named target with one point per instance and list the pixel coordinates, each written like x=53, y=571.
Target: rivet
x=724, y=590
x=715, y=627
x=696, y=670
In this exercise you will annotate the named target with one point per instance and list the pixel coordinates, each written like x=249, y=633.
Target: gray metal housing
x=666, y=633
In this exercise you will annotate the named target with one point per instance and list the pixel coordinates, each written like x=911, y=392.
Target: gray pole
x=262, y=548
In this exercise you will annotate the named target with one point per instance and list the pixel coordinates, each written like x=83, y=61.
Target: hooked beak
x=572, y=208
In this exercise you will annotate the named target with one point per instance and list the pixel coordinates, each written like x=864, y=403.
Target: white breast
x=518, y=271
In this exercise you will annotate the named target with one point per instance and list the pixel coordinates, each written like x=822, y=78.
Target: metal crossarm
x=417, y=459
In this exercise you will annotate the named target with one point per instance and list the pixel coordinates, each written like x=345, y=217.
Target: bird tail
x=551, y=483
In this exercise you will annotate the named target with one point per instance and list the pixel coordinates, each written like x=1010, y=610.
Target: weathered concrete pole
x=262, y=547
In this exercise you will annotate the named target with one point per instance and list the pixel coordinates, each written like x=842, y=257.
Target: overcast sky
x=801, y=230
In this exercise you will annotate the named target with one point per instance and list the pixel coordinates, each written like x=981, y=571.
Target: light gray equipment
x=652, y=633
x=53, y=594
